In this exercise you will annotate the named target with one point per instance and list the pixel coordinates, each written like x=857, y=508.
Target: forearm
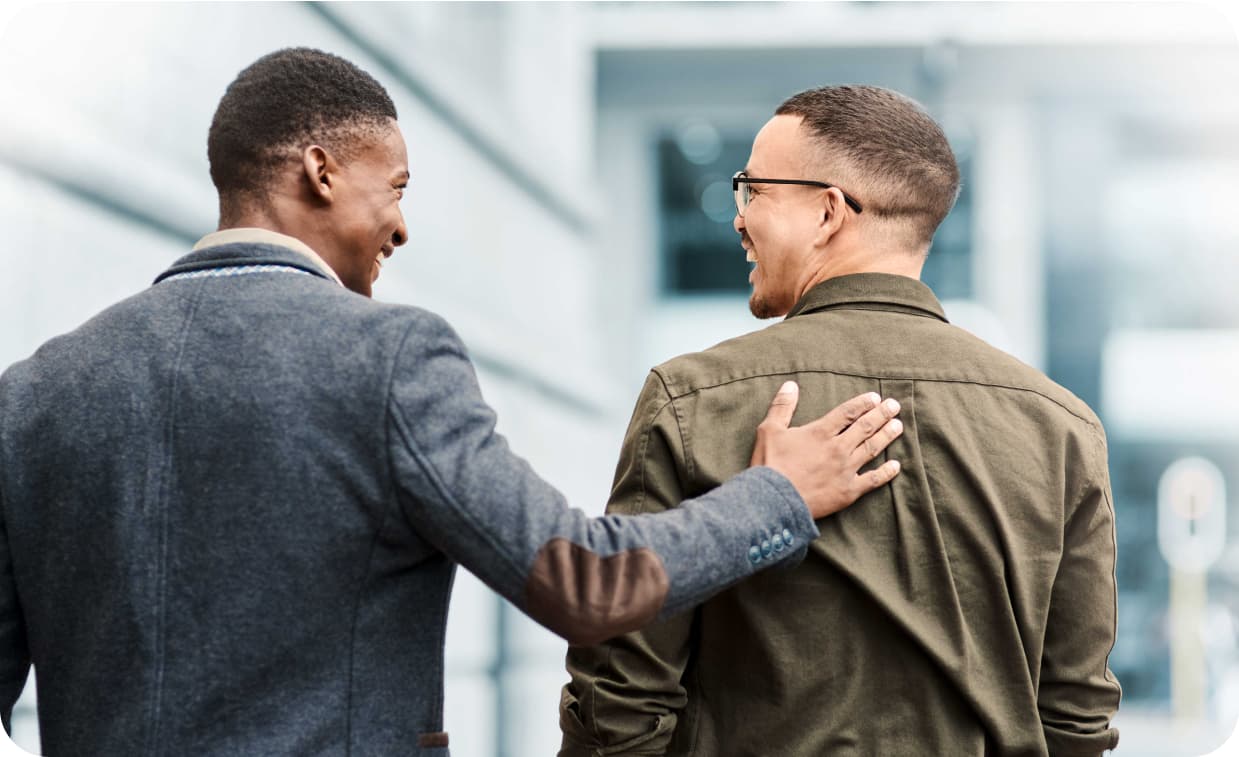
x=587, y=579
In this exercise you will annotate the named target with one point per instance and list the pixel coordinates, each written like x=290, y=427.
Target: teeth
x=750, y=256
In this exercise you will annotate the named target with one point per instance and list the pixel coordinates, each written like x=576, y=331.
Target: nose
x=401, y=234
x=737, y=223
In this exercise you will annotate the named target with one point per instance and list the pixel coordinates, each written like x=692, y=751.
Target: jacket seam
x=390, y=496
x=679, y=427
x=893, y=307
x=498, y=550
x=876, y=377
x=167, y=468
x=433, y=476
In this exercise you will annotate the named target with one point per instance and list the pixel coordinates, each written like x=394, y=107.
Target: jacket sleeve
x=1078, y=694
x=586, y=579
x=14, y=653
x=625, y=696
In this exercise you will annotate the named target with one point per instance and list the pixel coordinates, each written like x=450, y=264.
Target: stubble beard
x=760, y=307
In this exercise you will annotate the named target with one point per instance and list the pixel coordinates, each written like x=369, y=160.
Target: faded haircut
x=894, y=156
x=281, y=104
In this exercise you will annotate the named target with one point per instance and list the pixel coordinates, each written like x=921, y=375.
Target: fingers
x=847, y=413
x=783, y=406
x=876, y=478
x=868, y=425
x=873, y=445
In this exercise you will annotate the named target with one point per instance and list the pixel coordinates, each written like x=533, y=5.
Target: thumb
x=784, y=405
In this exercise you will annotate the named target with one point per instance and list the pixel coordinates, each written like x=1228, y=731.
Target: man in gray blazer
x=231, y=505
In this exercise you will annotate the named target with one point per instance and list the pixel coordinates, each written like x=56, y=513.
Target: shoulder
x=405, y=324
x=757, y=353
x=970, y=359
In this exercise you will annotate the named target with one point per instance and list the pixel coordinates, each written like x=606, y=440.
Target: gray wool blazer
x=231, y=508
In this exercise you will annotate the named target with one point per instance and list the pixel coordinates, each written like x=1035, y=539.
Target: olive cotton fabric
x=966, y=609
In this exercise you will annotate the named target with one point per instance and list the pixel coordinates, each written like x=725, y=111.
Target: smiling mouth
x=385, y=252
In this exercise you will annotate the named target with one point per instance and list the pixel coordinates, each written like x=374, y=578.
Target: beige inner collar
x=251, y=235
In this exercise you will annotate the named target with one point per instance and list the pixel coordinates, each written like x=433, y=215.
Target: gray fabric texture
x=232, y=508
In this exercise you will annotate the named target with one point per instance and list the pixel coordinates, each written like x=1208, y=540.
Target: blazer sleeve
x=1078, y=694
x=586, y=579
x=625, y=695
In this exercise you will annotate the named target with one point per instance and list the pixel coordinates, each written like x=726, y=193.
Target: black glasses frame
x=741, y=177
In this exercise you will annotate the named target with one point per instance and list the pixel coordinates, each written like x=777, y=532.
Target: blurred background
x=570, y=213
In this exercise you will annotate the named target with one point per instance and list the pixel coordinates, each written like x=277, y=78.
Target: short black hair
x=285, y=101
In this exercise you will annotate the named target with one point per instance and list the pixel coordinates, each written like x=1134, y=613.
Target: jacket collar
x=243, y=254
x=871, y=291
x=258, y=235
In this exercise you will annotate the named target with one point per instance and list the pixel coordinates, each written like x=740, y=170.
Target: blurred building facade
x=570, y=213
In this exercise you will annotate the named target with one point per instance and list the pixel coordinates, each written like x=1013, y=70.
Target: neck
x=268, y=218
x=897, y=262
x=286, y=218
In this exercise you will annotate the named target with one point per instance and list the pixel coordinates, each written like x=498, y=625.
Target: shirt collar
x=251, y=235
x=871, y=291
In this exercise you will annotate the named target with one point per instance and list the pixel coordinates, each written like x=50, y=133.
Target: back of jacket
x=197, y=501
x=966, y=609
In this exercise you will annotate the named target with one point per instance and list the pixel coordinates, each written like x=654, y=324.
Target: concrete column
x=1008, y=253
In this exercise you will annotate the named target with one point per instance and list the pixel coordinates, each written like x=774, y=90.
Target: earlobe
x=318, y=166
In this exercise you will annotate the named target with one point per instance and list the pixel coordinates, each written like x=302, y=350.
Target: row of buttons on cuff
x=768, y=547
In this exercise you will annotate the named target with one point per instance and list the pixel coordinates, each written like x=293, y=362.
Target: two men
x=231, y=506
x=968, y=608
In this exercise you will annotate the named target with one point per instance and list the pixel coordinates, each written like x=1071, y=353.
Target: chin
x=359, y=284
x=759, y=307
x=763, y=307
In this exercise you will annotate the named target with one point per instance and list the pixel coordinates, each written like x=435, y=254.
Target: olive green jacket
x=966, y=609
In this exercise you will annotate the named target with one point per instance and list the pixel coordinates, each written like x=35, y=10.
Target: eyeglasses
x=740, y=186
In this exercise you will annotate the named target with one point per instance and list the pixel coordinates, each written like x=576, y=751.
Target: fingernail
x=896, y=426
x=788, y=386
x=874, y=398
x=895, y=464
x=892, y=405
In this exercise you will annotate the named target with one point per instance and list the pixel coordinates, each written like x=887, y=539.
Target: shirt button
x=754, y=555
x=765, y=548
x=777, y=542
x=787, y=537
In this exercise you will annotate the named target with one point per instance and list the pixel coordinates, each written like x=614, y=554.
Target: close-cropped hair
x=281, y=104
x=895, y=157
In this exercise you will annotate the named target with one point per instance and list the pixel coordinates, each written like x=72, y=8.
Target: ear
x=834, y=208
x=320, y=170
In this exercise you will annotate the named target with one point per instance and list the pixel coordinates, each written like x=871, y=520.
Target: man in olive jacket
x=966, y=610
x=232, y=505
